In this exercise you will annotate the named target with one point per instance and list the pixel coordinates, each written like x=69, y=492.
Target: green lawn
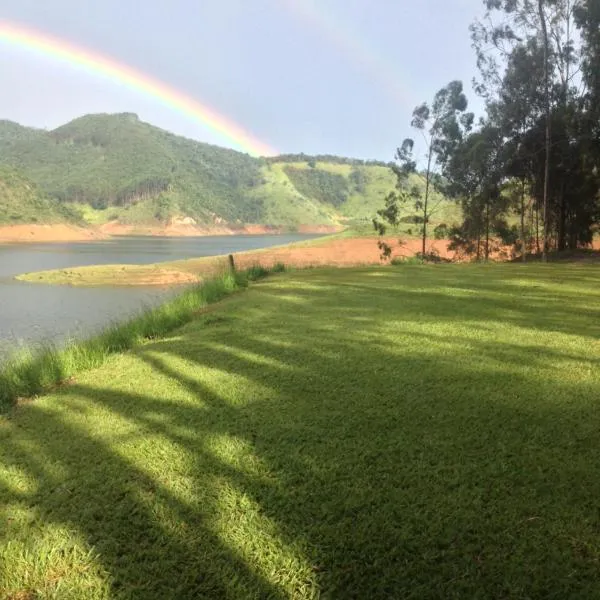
x=400, y=432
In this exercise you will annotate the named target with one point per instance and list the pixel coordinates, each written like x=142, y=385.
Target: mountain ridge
x=117, y=171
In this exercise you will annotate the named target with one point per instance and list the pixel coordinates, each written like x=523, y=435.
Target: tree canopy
x=535, y=153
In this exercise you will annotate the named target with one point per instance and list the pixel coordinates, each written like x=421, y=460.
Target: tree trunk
x=487, y=230
x=523, y=242
x=531, y=221
x=537, y=228
x=479, y=226
x=548, y=133
x=425, y=204
x=562, y=217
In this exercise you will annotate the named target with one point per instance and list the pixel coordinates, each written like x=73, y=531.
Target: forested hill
x=21, y=201
x=118, y=168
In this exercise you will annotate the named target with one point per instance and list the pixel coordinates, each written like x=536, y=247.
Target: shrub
x=414, y=219
x=432, y=256
x=441, y=232
x=256, y=272
x=406, y=260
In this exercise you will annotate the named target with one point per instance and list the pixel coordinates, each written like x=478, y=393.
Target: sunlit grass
x=401, y=432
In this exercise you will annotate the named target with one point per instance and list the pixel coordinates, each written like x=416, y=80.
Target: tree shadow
x=492, y=295
x=150, y=542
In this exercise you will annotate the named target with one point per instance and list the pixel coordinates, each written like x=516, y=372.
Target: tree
x=442, y=126
x=517, y=97
x=548, y=138
x=473, y=172
x=397, y=199
x=531, y=69
x=587, y=18
x=518, y=169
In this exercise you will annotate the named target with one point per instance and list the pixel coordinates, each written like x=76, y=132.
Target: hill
x=21, y=201
x=116, y=168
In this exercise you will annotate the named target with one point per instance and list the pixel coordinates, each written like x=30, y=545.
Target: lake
x=34, y=314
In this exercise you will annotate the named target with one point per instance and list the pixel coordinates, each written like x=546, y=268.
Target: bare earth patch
x=332, y=251
x=344, y=252
x=35, y=232
x=22, y=595
x=47, y=233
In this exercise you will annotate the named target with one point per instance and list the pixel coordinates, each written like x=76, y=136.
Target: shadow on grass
x=441, y=465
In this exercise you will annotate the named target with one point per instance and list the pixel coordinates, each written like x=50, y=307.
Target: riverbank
x=31, y=373
x=60, y=232
x=335, y=250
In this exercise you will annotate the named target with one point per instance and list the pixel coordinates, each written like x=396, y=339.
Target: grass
x=31, y=373
x=578, y=255
x=398, y=432
x=283, y=203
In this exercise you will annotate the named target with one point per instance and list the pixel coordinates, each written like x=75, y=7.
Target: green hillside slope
x=354, y=190
x=22, y=202
x=118, y=168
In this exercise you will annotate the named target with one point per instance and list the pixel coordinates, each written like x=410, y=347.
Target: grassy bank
x=400, y=432
x=33, y=372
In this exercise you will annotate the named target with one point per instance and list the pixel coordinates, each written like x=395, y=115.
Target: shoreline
x=61, y=232
x=33, y=372
x=335, y=250
x=326, y=251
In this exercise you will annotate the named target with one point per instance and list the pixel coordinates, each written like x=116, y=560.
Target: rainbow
x=341, y=34
x=95, y=63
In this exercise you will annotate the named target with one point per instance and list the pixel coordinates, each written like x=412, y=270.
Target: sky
x=314, y=76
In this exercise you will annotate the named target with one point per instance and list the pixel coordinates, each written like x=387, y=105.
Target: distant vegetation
x=116, y=162
x=21, y=201
x=327, y=158
x=331, y=188
x=102, y=168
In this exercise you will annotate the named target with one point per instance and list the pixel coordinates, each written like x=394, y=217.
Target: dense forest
x=110, y=161
x=322, y=185
x=527, y=173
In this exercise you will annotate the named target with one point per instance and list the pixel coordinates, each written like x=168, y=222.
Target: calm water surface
x=32, y=314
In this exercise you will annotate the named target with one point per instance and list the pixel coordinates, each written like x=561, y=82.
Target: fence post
x=231, y=263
